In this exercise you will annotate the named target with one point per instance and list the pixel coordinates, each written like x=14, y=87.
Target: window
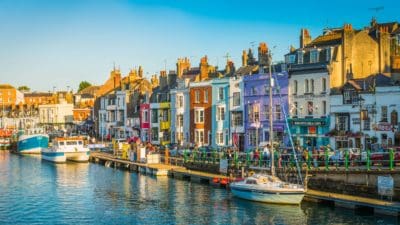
x=237, y=119
x=342, y=122
x=300, y=57
x=278, y=112
x=323, y=84
x=197, y=96
x=154, y=116
x=266, y=111
x=306, y=87
x=384, y=113
x=199, y=136
x=310, y=108
x=314, y=56
x=165, y=115
x=179, y=120
x=266, y=89
x=145, y=116
x=179, y=101
x=154, y=134
x=221, y=93
x=199, y=116
x=393, y=118
x=256, y=112
x=328, y=54
x=179, y=137
x=324, y=107
x=252, y=137
x=206, y=96
x=220, y=138
x=350, y=97
x=220, y=113
x=290, y=59
x=367, y=124
x=312, y=85
x=253, y=91
x=295, y=87
x=295, y=105
x=236, y=99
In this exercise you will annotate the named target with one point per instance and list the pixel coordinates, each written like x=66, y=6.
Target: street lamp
x=362, y=113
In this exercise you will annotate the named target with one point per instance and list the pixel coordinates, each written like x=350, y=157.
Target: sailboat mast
x=271, y=126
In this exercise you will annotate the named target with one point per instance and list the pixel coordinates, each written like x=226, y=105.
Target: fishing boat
x=69, y=148
x=269, y=188
x=32, y=141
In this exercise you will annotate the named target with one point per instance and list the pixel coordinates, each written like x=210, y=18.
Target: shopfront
x=310, y=132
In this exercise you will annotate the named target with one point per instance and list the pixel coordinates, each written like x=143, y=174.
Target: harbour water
x=33, y=191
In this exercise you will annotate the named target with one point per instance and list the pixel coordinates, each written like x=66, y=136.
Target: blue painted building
x=220, y=112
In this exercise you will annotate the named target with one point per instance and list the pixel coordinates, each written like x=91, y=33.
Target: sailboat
x=269, y=188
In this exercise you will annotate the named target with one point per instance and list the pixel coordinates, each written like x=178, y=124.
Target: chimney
x=263, y=54
x=140, y=72
x=203, y=68
x=305, y=38
x=244, y=58
x=172, y=78
x=182, y=65
x=163, y=79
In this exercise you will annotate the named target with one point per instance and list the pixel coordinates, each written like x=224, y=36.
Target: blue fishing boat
x=32, y=141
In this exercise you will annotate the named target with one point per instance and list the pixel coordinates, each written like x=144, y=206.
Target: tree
x=24, y=88
x=84, y=84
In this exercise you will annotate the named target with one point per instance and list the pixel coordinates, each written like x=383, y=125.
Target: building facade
x=200, y=113
x=257, y=106
x=220, y=112
x=236, y=106
x=56, y=116
x=180, y=113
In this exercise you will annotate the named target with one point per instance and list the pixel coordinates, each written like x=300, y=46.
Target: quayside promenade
x=347, y=185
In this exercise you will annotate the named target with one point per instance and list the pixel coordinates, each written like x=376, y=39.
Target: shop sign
x=308, y=123
x=385, y=185
x=384, y=127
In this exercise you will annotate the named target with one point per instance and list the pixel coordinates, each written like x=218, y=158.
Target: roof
x=329, y=38
x=89, y=90
x=38, y=94
x=246, y=70
x=6, y=86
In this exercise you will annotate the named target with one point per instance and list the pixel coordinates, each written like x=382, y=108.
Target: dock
x=377, y=206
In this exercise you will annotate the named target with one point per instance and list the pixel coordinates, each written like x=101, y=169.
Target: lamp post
x=360, y=104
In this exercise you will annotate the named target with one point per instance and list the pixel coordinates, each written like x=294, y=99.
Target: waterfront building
x=10, y=97
x=160, y=107
x=256, y=107
x=325, y=63
x=220, y=112
x=145, y=118
x=363, y=115
x=200, y=113
x=34, y=99
x=236, y=106
x=56, y=116
x=112, y=115
x=180, y=112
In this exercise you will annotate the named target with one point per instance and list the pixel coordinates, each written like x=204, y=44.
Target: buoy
x=224, y=181
x=215, y=180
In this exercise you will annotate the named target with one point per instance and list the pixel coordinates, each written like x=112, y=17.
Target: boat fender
x=215, y=180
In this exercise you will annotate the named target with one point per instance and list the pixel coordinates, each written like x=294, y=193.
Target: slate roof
x=246, y=70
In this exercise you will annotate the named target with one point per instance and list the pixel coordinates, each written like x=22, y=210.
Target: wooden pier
x=377, y=206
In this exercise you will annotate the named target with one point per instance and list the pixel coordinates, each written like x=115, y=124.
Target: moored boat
x=268, y=189
x=32, y=141
x=69, y=148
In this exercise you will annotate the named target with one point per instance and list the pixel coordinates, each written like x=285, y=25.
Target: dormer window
x=328, y=54
x=314, y=56
x=300, y=57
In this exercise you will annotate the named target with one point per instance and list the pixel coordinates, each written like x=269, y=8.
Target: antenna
x=376, y=9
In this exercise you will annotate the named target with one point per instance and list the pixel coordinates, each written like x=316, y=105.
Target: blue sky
x=46, y=44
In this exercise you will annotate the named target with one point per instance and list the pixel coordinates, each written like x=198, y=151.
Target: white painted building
x=378, y=110
x=58, y=116
x=112, y=116
x=180, y=113
x=236, y=105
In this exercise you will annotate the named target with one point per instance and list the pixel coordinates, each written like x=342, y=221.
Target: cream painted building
x=57, y=116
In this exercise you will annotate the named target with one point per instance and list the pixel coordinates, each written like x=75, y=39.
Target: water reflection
x=33, y=191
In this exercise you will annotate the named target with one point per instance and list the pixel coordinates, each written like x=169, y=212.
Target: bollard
x=326, y=159
x=391, y=158
x=368, y=160
x=346, y=159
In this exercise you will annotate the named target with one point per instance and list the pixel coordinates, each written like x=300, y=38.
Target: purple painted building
x=256, y=110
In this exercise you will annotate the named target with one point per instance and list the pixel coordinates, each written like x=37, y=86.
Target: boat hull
x=78, y=156
x=57, y=157
x=32, y=144
x=287, y=198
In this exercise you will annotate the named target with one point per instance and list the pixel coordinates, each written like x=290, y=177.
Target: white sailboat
x=269, y=188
